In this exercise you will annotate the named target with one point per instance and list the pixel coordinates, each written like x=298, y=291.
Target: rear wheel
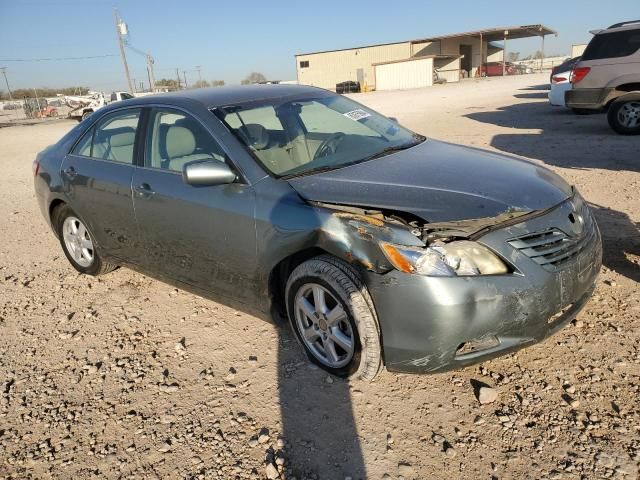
x=624, y=117
x=77, y=243
x=332, y=316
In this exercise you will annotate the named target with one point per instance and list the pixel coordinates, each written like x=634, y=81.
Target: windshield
x=291, y=137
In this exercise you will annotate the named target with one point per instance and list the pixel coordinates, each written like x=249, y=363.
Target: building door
x=466, y=62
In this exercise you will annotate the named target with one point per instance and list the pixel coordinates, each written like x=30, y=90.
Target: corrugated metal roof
x=490, y=34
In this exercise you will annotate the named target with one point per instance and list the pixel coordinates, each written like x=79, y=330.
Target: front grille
x=553, y=248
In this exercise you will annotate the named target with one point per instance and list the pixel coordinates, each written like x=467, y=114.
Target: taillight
x=35, y=167
x=558, y=79
x=578, y=73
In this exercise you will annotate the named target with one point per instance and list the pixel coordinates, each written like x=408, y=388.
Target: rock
x=263, y=436
x=405, y=469
x=569, y=388
x=271, y=471
x=329, y=379
x=450, y=452
x=487, y=395
x=478, y=420
x=165, y=447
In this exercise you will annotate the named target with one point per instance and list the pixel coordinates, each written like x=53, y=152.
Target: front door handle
x=70, y=172
x=143, y=190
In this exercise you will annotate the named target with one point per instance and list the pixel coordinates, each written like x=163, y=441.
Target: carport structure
x=475, y=48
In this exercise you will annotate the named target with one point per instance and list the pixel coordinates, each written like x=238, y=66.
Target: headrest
x=258, y=135
x=122, y=139
x=180, y=142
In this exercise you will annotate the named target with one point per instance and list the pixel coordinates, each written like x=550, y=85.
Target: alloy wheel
x=324, y=325
x=78, y=241
x=629, y=115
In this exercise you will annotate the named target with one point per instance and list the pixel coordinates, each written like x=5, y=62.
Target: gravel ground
x=127, y=377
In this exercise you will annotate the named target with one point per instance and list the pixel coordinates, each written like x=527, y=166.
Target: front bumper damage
x=434, y=324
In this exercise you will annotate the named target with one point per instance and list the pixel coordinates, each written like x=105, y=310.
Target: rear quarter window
x=613, y=45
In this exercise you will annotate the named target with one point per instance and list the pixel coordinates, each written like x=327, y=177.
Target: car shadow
x=621, y=240
x=318, y=422
x=317, y=418
x=560, y=138
x=557, y=137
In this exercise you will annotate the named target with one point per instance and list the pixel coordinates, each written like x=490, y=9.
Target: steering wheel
x=329, y=146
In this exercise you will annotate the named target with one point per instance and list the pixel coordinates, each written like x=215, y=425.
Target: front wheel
x=332, y=316
x=77, y=243
x=624, y=117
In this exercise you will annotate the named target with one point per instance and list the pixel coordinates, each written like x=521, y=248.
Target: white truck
x=83, y=106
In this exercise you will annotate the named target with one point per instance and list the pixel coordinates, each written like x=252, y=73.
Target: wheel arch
x=53, y=206
x=277, y=280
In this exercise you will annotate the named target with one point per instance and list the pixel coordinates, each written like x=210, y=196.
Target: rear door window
x=113, y=138
x=613, y=45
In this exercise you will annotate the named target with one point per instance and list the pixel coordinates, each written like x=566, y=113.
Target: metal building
x=401, y=65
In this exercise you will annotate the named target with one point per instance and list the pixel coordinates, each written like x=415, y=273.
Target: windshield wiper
x=325, y=168
x=388, y=151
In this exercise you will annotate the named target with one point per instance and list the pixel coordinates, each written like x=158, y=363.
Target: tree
x=513, y=56
x=538, y=55
x=167, y=82
x=200, y=84
x=217, y=83
x=45, y=92
x=254, y=77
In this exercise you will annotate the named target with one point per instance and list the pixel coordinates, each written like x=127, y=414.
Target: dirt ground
x=127, y=377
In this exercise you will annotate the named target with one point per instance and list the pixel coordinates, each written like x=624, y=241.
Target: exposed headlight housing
x=459, y=258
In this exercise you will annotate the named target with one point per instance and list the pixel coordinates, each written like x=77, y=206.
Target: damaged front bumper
x=433, y=324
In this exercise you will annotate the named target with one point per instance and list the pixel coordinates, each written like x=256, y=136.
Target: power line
x=57, y=59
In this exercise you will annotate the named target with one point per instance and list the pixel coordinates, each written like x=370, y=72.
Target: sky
x=228, y=40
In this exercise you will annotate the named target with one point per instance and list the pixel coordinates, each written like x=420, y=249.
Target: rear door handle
x=143, y=190
x=70, y=172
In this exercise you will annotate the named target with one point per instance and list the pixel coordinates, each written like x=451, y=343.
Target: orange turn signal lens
x=396, y=258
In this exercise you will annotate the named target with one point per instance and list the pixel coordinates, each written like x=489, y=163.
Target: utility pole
x=4, y=72
x=178, y=76
x=184, y=73
x=504, y=54
x=121, y=30
x=152, y=79
x=199, y=75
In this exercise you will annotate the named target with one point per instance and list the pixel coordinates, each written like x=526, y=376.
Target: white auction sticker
x=357, y=114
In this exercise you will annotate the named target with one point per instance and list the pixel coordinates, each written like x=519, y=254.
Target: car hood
x=438, y=182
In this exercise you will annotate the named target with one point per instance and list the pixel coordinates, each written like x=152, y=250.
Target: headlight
x=460, y=258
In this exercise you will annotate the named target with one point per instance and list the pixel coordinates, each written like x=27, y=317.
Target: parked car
x=607, y=77
x=560, y=84
x=521, y=69
x=348, y=87
x=565, y=66
x=494, y=69
x=378, y=245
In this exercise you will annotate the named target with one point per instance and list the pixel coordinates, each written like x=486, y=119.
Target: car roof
x=228, y=95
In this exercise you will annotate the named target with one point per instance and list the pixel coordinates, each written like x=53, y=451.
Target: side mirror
x=207, y=173
x=393, y=119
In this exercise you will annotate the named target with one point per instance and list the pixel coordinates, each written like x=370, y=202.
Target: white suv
x=608, y=77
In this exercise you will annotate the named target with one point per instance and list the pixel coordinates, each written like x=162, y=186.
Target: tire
x=86, y=115
x=341, y=285
x=89, y=264
x=624, y=117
